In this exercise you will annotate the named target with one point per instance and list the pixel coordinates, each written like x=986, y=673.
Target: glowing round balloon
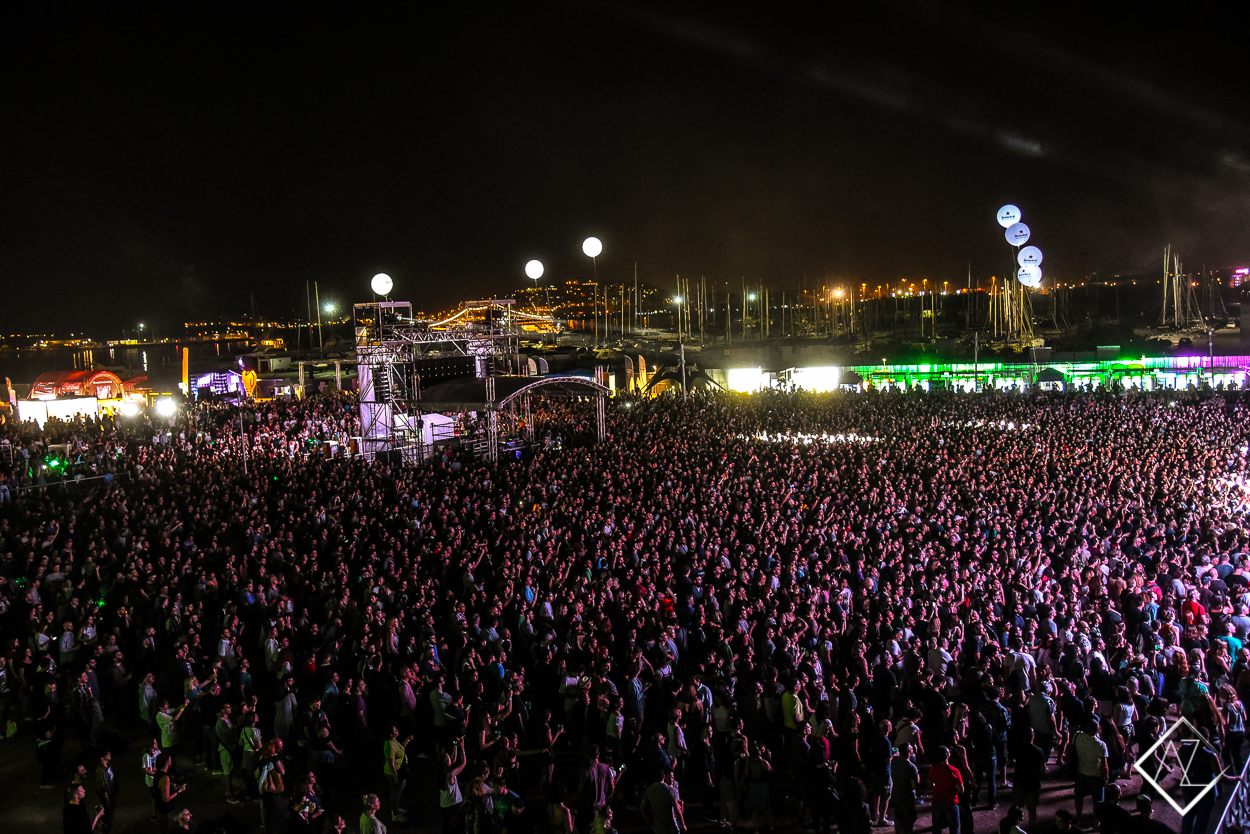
x=1017, y=234
x=592, y=246
x=534, y=269
x=1030, y=276
x=1030, y=256
x=381, y=284
x=1007, y=215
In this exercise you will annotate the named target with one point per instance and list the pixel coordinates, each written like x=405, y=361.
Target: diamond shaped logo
x=1172, y=753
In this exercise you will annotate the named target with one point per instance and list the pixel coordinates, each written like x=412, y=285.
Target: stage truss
x=390, y=347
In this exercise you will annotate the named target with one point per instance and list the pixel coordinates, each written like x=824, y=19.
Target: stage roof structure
x=494, y=393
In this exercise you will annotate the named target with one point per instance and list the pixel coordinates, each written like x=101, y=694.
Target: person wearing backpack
x=1193, y=694
x=269, y=777
x=999, y=719
x=984, y=758
x=1234, y=714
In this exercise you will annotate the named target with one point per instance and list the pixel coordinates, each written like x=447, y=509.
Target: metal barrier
x=1236, y=816
x=66, y=482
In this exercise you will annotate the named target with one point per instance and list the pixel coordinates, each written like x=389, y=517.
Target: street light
x=592, y=247
x=534, y=270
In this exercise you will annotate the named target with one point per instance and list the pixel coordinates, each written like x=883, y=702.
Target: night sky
x=161, y=163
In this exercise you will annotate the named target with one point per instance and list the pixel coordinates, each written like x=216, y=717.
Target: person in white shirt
x=68, y=643
x=148, y=762
x=939, y=658
x=272, y=648
x=1022, y=661
x=225, y=650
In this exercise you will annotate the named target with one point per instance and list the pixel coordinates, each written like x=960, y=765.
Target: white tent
x=66, y=408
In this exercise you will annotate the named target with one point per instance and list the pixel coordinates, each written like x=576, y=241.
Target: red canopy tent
x=104, y=385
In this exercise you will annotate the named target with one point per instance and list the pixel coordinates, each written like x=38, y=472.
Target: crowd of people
x=853, y=611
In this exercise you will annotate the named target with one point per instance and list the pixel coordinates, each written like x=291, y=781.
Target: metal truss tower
x=390, y=348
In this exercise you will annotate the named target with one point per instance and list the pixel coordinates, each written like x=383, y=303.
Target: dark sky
x=160, y=163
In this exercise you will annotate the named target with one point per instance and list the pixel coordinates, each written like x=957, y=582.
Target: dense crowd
x=849, y=611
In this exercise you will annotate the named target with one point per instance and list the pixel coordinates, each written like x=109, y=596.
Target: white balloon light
x=593, y=247
x=1030, y=276
x=1017, y=234
x=381, y=284
x=1030, y=256
x=166, y=407
x=1007, y=215
x=534, y=269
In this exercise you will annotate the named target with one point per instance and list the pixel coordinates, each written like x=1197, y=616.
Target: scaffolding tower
x=392, y=346
x=1010, y=314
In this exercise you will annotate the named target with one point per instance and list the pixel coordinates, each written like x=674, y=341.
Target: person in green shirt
x=793, y=710
x=167, y=721
x=395, y=768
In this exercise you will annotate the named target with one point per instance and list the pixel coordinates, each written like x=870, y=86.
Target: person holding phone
x=547, y=737
x=395, y=769
x=450, y=798
x=163, y=793
x=76, y=818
